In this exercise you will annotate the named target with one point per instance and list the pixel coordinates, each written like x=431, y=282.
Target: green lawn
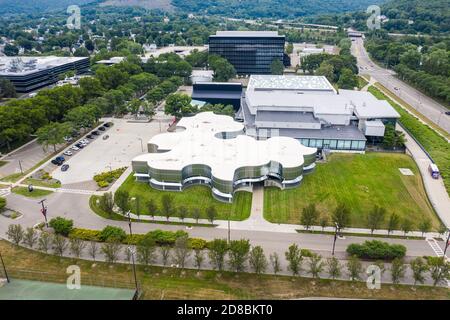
x=361, y=181
x=436, y=145
x=43, y=183
x=193, y=197
x=37, y=193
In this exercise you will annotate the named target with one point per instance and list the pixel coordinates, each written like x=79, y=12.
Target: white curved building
x=213, y=149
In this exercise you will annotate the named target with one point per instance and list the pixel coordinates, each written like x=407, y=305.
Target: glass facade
x=249, y=55
x=334, y=144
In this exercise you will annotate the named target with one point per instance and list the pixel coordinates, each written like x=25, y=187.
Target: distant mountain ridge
x=36, y=6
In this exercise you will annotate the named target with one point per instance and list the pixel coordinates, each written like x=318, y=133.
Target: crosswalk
x=77, y=191
x=437, y=250
x=5, y=192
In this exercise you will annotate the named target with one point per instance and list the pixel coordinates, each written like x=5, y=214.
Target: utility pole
x=20, y=165
x=447, y=244
x=335, y=237
x=4, y=268
x=132, y=253
x=44, y=211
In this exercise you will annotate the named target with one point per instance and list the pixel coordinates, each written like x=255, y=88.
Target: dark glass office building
x=250, y=52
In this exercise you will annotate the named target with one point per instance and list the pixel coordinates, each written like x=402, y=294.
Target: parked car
x=90, y=136
x=108, y=124
x=58, y=160
x=447, y=113
x=102, y=128
x=105, y=137
x=65, y=167
x=75, y=148
x=95, y=133
x=79, y=145
x=68, y=153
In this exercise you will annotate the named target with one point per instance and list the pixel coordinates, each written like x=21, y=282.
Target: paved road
x=423, y=104
x=76, y=207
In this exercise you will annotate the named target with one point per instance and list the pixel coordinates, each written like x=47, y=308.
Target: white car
x=68, y=153
x=75, y=148
x=85, y=141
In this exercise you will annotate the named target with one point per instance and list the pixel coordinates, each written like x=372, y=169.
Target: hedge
x=61, y=225
x=376, y=250
x=161, y=237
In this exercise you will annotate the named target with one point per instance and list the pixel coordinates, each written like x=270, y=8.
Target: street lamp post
x=335, y=237
x=132, y=253
x=44, y=211
x=447, y=244
x=4, y=268
x=142, y=144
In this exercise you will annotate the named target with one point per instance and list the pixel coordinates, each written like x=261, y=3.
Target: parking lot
x=126, y=140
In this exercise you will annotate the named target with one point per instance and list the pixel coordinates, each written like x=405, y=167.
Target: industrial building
x=311, y=110
x=31, y=73
x=250, y=52
x=210, y=149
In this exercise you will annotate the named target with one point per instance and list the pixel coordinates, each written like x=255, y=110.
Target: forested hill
x=271, y=8
x=36, y=6
x=403, y=16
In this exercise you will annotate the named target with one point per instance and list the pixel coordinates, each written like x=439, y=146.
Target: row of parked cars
x=59, y=161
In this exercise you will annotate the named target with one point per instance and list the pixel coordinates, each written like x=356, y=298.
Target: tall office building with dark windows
x=250, y=52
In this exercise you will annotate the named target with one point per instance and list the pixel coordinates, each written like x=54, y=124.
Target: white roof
x=367, y=106
x=247, y=34
x=29, y=65
x=198, y=144
x=290, y=82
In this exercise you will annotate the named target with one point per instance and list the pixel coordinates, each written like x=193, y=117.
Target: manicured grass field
x=360, y=181
x=171, y=283
x=43, y=183
x=193, y=197
x=436, y=145
x=37, y=193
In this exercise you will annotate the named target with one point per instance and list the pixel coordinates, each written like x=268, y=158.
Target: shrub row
x=105, y=178
x=111, y=233
x=377, y=250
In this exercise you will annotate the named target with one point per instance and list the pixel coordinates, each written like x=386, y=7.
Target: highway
x=431, y=109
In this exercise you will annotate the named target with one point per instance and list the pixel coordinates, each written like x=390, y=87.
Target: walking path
x=435, y=188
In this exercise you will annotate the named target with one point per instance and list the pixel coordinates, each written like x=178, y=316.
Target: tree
x=111, y=251
x=30, y=237
x=217, y=249
x=393, y=222
x=15, y=233
x=146, y=251
x=290, y=48
x=411, y=58
x=181, y=251
x=122, y=200
x=375, y=218
x=182, y=212
x=61, y=225
x=196, y=214
x=223, y=70
x=258, y=260
x=393, y=139
x=211, y=213
x=354, y=268
x=106, y=202
x=93, y=249
x=10, y=50
x=333, y=267
x=112, y=234
x=294, y=258
x=347, y=79
x=152, y=208
x=165, y=254
x=316, y=265
x=199, y=257
x=276, y=67
x=178, y=105
x=45, y=241
x=92, y=88
x=309, y=215
x=167, y=206
x=53, y=134
x=418, y=268
x=83, y=117
x=439, y=269
x=406, y=225
x=77, y=246
x=275, y=262
x=425, y=226
x=59, y=244
x=327, y=70
x=7, y=89
x=323, y=221
x=238, y=254
x=398, y=269
x=341, y=216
